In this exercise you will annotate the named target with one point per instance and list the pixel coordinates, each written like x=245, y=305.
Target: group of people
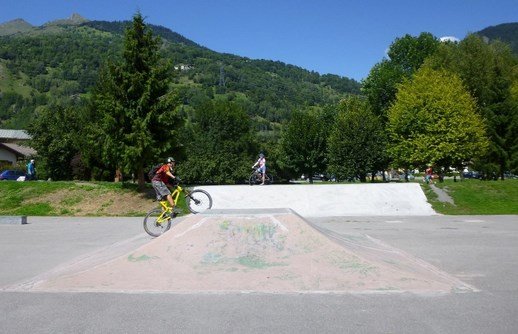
x=164, y=175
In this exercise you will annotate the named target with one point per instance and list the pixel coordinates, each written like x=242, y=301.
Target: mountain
x=14, y=27
x=506, y=32
x=60, y=61
x=74, y=19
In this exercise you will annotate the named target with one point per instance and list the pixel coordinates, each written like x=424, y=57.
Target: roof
x=14, y=134
x=19, y=150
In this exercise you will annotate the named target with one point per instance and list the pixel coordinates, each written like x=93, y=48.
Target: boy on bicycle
x=261, y=162
x=161, y=178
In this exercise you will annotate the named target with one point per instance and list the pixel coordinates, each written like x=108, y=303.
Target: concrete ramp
x=326, y=200
x=273, y=251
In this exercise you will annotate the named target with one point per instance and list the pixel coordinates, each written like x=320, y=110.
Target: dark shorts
x=161, y=189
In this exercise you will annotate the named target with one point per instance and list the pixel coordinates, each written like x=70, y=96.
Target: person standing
x=31, y=170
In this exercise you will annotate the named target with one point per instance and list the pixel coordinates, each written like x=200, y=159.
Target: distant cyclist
x=161, y=179
x=261, y=164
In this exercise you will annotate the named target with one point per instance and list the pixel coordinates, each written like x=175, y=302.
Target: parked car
x=471, y=175
x=11, y=174
x=320, y=177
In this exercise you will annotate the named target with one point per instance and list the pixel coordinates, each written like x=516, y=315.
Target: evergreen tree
x=136, y=109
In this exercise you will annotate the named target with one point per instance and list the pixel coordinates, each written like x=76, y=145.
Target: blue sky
x=328, y=36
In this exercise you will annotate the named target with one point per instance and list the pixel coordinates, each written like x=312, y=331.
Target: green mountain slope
x=506, y=32
x=59, y=62
x=14, y=27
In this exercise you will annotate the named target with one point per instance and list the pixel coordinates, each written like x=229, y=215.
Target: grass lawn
x=63, y=198
x=475, y=197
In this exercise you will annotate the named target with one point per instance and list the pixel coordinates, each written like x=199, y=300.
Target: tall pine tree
x=135, y=106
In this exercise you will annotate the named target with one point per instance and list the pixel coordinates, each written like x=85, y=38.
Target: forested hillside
x=506, y=32
x=58, y=62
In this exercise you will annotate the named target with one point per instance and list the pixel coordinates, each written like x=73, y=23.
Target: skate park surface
x=266, y=269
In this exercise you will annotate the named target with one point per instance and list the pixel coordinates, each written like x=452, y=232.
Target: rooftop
x=14, y=134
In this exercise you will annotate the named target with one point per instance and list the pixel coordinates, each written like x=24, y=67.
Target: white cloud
x=449, y=39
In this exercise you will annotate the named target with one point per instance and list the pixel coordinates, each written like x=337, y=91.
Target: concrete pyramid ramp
x=326, y=200
x=246, y=251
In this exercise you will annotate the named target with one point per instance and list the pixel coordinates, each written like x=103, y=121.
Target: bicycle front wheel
x=198, y=201
x=157, y=222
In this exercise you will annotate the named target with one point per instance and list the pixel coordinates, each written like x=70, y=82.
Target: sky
x=342, y=37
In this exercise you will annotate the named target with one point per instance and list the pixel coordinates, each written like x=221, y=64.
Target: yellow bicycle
x=159, y=220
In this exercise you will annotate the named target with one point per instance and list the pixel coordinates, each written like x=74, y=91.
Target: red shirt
x=161, y=174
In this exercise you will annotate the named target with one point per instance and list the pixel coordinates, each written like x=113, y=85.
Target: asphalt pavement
x=479, y=250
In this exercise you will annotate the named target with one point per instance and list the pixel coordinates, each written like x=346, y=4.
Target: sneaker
x=173, y=214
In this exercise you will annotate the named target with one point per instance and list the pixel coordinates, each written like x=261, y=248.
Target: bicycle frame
x=166, y=211
x=176, y=194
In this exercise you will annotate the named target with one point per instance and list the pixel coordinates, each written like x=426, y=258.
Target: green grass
x=475, y=197
x=22, y=198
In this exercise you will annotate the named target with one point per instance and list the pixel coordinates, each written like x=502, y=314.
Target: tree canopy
x=489, y=71
x=434, y=121
x=357, y=141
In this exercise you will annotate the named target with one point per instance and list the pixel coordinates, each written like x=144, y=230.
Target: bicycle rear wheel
x=198, y=201
x=155, y=224
x=253, y=179
x=268, y=179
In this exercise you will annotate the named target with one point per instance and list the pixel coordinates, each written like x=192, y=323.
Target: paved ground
x=479, y=250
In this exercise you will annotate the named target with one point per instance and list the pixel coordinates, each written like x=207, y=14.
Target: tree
x=135, y=107
x=380, y=86
x=218, y=144
x=434, y=121
x=357, y=142
x=489, y=72
x=405, y=56
x=303, y=144
x=410, y=52
x=57, y=133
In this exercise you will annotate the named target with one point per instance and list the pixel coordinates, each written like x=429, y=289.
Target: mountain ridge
x=506, y=32
x=59, y=61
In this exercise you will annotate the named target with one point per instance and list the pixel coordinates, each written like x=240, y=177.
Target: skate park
x=278, y=258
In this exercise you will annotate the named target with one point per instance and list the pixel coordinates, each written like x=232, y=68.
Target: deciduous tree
x=303, y=143
x=434, y=120
x=357, y=142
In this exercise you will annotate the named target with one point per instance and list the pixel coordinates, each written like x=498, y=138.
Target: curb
x=18, y=220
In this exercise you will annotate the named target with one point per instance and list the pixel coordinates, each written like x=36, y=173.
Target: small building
x=13, y=146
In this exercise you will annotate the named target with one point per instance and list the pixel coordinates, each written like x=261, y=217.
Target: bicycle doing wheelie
x=159, y=220
x=257, y=178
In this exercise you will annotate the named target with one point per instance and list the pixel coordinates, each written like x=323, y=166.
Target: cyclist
x=429, y=175
x=261, y=163
x=161, y=179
